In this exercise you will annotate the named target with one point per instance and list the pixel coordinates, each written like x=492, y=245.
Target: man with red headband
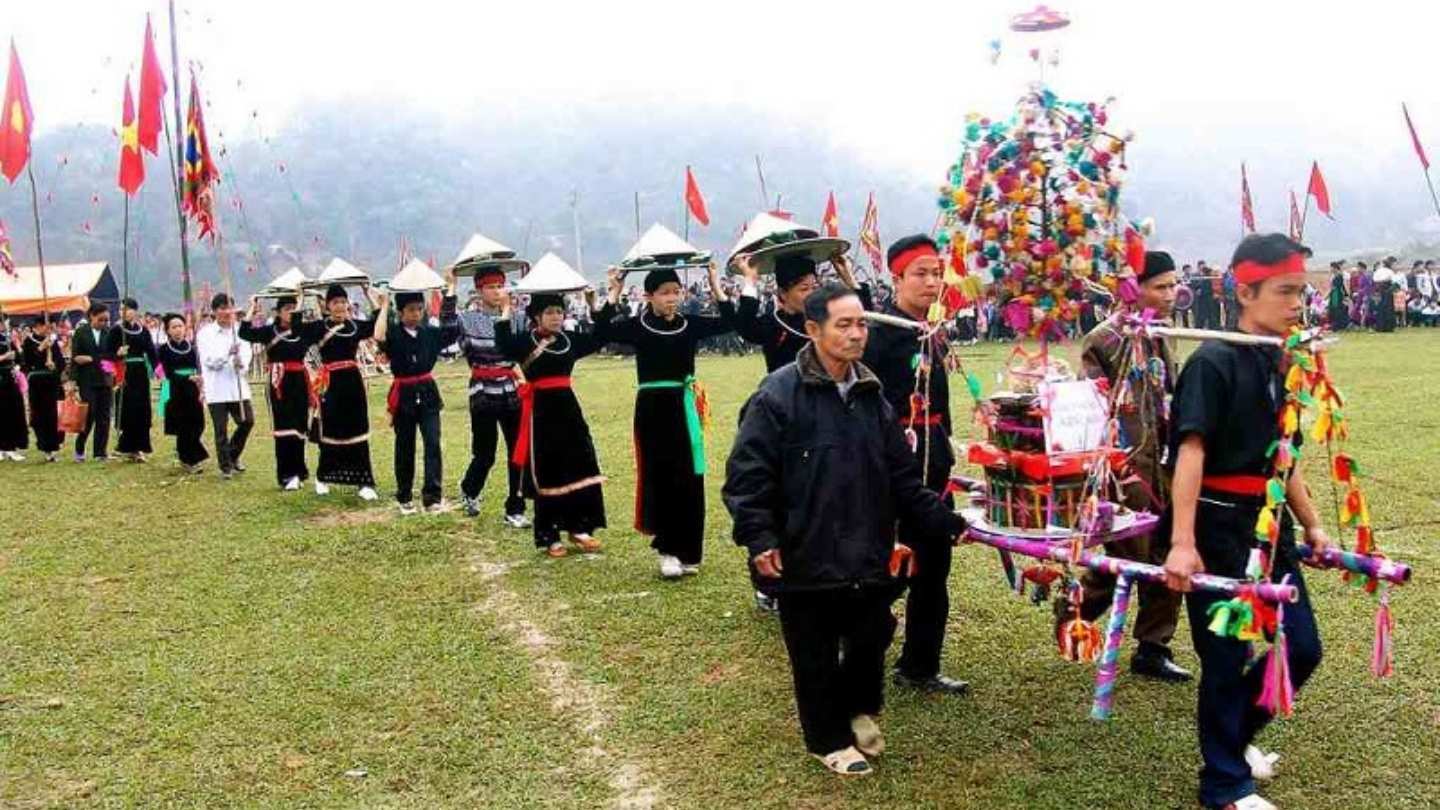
x=1225, y=418
x=494, y=404
x=900, y=360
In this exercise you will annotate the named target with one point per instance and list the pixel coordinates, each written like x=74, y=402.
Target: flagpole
x=1300, y=237
x=637, y=215
x=125, y=248
x=1431, y=185
x=39, y=247
x=764, y=195
x=185, y=290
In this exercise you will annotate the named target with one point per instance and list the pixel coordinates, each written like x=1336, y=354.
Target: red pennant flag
x=1296, y=225
x=152, y=93
x=197, y=197
x=17, y=121
x=870, y=235
x=831, y=220
x=1415, y=139
x=1318, y=191
x=1247, y=207
x=132, y=163
x=694, y=199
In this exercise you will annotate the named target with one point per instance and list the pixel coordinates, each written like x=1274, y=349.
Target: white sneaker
x=408, y=508
x=368, y=494
x=690, y=570
x=321, y=488
x=51, y=458
x=670, y=567
x=292, y=484
x=1262, y=765
x=517, y=521
x=437, y=508
x=15, y=455
x=1252, y=802
x=868, y=738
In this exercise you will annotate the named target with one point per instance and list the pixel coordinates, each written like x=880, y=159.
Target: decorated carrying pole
x=1110, y=659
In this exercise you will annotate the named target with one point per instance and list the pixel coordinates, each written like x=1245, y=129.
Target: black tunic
x=134, y=413
x=415, y=355
x=288, y=391
x=44, y=391
x=562, y=472
x=343, y=432
x=779, y=334
x=13, y=435
x=184, y=416
x=670, y=493
x=892, y=352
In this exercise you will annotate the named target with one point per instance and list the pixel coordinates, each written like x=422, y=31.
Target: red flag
x=870, y=235
x=152, y=92
x=831, y=220
x=1415, y=138
x=16, y=121
x=197, y=197
x=694, y=199
x=132, y=163
x=1318, y=191
x=1296, y=225
x=1247, y=207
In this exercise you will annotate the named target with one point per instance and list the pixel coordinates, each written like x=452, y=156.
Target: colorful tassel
x=1382, y=659
x=1278, y=694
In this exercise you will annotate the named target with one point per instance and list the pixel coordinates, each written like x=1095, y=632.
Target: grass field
x=173, y=641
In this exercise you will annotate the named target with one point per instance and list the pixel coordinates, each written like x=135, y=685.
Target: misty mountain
x=357, y=180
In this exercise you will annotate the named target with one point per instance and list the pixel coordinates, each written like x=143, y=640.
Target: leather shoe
x=1159, y=667
x=939, y=684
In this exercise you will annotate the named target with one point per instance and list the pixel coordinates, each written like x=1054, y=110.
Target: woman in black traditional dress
x=289, y=391
x=13, y=435
x=561, y=473
x=343, y=431
x=43, y=362
x=670, y=410
x=181, y=398
x=131, y=343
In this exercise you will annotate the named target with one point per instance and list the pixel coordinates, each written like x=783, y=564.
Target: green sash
x=187, y=373
x=692, y=417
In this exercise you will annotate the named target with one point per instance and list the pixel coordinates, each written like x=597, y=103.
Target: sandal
x=556, y=550
x=587, y=544
x=845, y=762
x=868, y=738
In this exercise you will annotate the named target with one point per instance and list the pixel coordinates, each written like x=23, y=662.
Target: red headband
x=481, y=275
x=908, y=257
x=1251, y=272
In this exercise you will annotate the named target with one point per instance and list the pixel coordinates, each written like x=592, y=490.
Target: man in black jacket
x=818, y=476
x=89, y=348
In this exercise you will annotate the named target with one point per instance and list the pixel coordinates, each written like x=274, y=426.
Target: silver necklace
x=547, y=349
x=662, y=332
x=775, y=313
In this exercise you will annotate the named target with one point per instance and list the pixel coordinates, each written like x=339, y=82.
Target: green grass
x=173, y=641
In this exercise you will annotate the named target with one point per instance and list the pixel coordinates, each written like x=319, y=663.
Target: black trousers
x=486, y=425
x=428, y=423
x=927, y=605
x=229, y=446
x=101, y=400
x=837, y=640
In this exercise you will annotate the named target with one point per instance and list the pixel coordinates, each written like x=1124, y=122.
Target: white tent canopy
x=67, y=286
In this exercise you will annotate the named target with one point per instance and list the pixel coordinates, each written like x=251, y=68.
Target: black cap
x=655, y=278
x=790, y=269
x=335, y=291
x=539, y=302
x=405, y=299
x=129, y=303
x=285, y=299
x=221, y=300
x=1157, y=262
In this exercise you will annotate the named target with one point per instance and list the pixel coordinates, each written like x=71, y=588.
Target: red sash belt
x=278, y=370
x=392, y=402
x=935, y=418
x=1251, y=485
x=478, y=373
x=322, y=382
x=526, y=391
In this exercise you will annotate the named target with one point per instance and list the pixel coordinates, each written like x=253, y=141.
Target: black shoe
x=939, y=684
x=1159, y=667
x=766, y=603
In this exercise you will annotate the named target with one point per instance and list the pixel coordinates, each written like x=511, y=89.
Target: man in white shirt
x=224, y=364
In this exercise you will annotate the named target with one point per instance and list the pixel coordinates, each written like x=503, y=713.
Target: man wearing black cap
x=89, y=350
x=131, y=343
x=899, y=360
x=289, y=392
x=1106, y=354
x=670, y=410
x=494, y=402
x=1226, y=417
x=224, y=366
x=414, y=402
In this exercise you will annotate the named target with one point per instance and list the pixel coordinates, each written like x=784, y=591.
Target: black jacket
x=824, y=479
x=86, y=342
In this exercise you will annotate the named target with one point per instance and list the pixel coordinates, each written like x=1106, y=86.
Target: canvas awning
x=70, y=287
